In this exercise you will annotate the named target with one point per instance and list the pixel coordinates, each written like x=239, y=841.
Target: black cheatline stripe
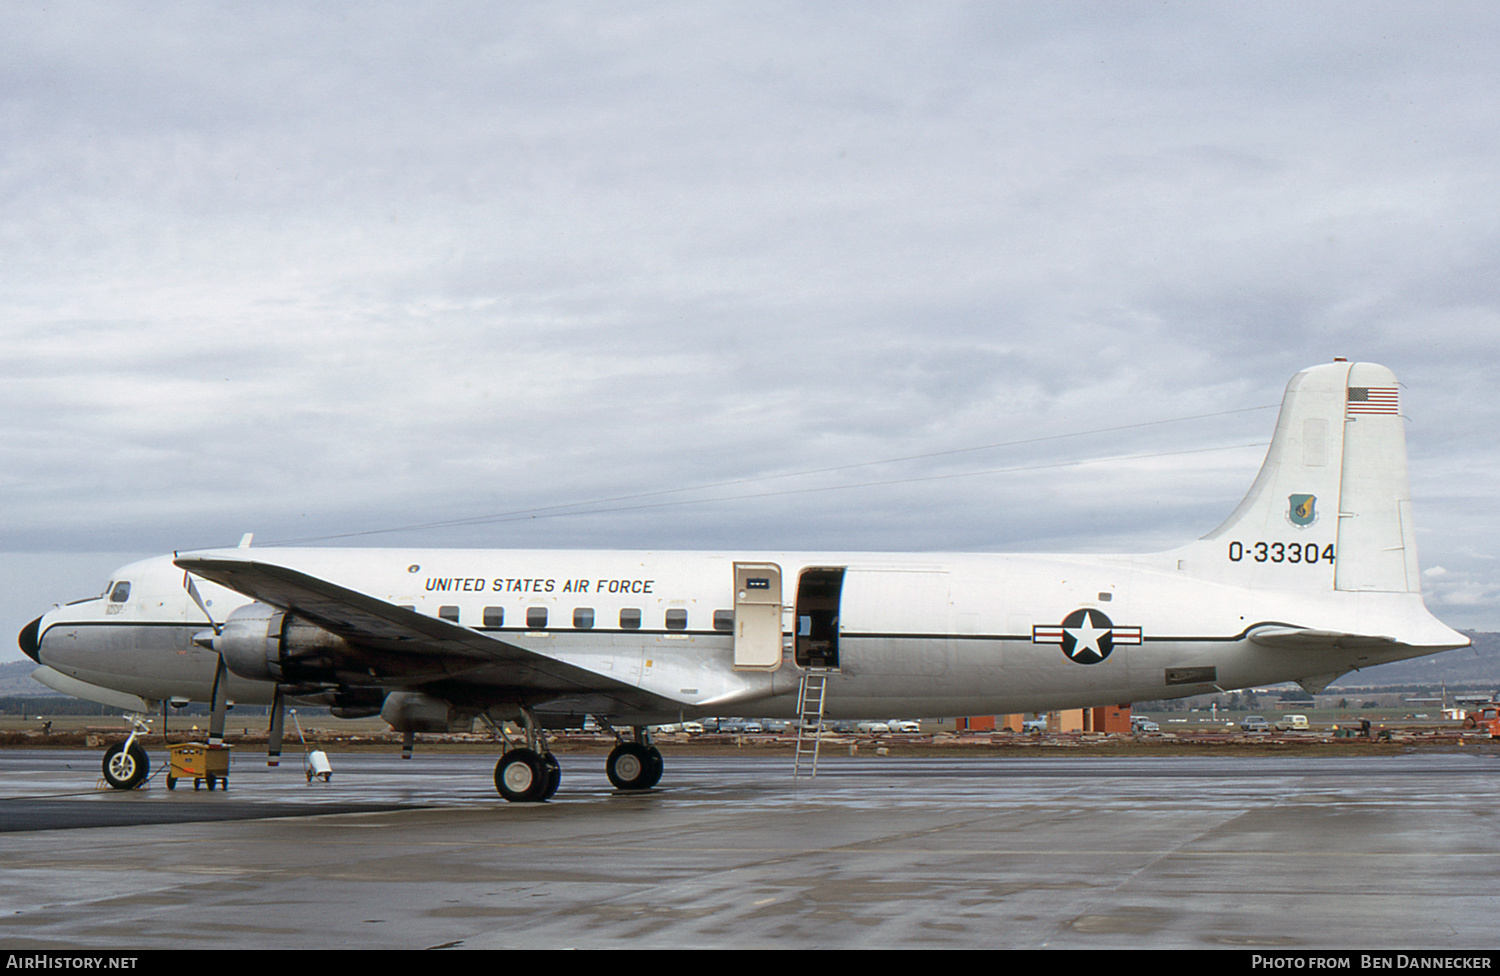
x=1182, y=638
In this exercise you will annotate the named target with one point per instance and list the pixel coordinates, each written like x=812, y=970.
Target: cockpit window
x=120, y=593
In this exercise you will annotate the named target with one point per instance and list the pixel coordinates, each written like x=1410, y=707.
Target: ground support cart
x=199, y=761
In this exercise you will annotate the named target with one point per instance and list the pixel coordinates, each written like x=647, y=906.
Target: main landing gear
x=530, y=774
x=634, y=765
x=527, y=776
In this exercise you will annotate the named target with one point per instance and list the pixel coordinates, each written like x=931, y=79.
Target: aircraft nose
x=30, y=640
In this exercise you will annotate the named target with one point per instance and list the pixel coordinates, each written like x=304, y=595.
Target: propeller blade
x=220, y=695
x=278, y=723
x=220, y=703
x=187, y=582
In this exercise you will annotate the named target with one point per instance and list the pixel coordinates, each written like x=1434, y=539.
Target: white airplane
x=1313, y=575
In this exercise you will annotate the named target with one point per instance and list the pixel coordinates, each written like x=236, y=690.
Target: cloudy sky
x=419, y=274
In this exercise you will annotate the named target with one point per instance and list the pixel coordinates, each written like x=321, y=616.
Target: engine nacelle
x=412, y=711
x=357, y=702
x=342, y=701
x=266, y=644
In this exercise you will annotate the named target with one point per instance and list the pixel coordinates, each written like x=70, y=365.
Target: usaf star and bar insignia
x=1087, y=636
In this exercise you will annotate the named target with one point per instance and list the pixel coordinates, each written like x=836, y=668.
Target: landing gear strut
x=529, y=774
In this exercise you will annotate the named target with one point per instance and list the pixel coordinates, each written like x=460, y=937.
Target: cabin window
x=677, y=619
x=449, y=614
x=120, y=593
x=724, y=620
x=536, y=617
x=494, y=616
x=630, y=619
x=583, y=618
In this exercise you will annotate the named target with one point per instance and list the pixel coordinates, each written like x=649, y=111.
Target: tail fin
x=1330, y=508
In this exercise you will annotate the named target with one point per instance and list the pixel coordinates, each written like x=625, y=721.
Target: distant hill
x=15, y=679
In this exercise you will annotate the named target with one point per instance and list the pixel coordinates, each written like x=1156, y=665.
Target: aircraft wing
x=409, y=649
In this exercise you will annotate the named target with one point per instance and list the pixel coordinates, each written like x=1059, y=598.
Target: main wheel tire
x=554, y=775
x=522, y=776
x=632, y=766
x=657, y=766
x=125, y=769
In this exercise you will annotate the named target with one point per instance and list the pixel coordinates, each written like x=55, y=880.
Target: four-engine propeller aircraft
x=1313, y=575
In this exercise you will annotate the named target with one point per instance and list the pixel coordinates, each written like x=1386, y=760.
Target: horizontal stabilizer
x=1302, y=639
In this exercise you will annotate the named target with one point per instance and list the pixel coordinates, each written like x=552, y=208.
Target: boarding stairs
x=809, y=721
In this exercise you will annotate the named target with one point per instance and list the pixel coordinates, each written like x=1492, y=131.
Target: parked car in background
x=1254, y=723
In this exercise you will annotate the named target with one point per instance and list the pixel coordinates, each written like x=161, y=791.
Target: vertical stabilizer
x=1376, y=546
x=1330, y=508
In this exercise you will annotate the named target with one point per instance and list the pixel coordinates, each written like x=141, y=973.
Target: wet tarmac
x=1293, y=853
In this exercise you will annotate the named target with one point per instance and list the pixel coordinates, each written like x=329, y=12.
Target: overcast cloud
x=307, y=269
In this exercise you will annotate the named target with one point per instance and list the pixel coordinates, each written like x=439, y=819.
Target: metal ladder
x=809, y=720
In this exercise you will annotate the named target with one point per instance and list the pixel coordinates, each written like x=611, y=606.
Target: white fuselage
x=919, y=635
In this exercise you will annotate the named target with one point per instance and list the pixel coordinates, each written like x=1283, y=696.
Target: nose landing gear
x=126, y=764
x=125, y=768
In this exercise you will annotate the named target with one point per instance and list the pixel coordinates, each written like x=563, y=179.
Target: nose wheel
x=126, y=767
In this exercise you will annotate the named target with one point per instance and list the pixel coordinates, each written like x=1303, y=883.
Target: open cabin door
x=757, y=616
x=819, y=591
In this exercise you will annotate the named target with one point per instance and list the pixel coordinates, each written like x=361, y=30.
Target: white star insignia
x=1086, y=636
